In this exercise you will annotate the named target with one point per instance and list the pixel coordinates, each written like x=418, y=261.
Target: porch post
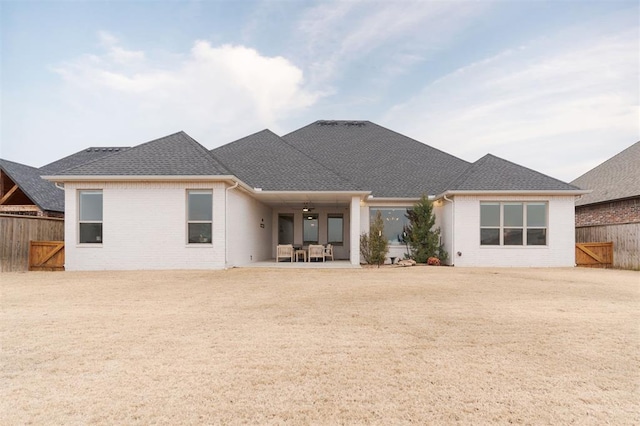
x=354, y=219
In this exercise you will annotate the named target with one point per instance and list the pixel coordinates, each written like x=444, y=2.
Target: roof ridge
x=201, y=147
x=320, y=163
x=528, y=168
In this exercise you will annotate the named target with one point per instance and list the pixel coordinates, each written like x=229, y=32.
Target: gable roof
x=174, y=155
x=265, y=160
x=42, y=193
x=80, y=157
x=491, y=173
x=615, y=179
x=374, y=158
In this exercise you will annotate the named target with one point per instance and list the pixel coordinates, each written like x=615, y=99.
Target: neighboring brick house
x=611, y=212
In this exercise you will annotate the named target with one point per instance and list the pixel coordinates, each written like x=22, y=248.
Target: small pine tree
x=374, y=246
x=424, y=241
x=377, y=241
x=365, y=248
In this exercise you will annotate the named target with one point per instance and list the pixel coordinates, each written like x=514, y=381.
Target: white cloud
x=341, y=31
x=553, y=105
x=215, y=93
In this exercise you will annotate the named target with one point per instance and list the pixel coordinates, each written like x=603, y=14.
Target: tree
x=424, y=241
x=374, y=246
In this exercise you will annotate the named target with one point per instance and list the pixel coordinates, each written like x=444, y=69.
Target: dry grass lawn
x=273, y=346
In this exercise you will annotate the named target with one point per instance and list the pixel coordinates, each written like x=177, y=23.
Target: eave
x=574, y=192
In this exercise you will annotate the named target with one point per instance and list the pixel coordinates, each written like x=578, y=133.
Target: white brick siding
x=249, y=228
x=559, y=251
x=144, y=227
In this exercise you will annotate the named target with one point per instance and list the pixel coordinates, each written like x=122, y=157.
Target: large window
x=394, y=220
x=513, y=224
x=90, y=217
x=335, y=229
x=199, y=216
x=310, y=228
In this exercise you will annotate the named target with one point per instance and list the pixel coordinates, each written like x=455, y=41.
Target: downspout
x=453, y=229
x=226, y=215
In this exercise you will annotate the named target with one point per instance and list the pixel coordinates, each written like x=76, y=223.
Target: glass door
x=285, y=229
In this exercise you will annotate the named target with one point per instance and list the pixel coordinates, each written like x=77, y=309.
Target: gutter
x=520, y=192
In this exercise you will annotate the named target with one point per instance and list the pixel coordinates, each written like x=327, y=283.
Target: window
x=90, y=217
x=310, y=228
x=513, y=224
x=335, y=230
x=394, y=219
x=199, y=216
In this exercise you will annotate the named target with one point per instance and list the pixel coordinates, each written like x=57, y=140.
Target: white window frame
x=82, y=221
x=501, y=228
x=336, y=216
x=382, y=209
x=189, y=221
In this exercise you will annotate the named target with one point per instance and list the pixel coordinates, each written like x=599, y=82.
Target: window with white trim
x=335, y=229
x=90, y=217
x=199, y=216
x=513, y=223
x=394, y=219
x=310, y=228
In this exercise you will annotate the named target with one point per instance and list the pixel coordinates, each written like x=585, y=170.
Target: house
x=611, y=212
x=24, y=192
x=172, y=204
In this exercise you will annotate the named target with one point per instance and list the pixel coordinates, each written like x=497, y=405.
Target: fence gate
x=594, y=255
x=46, y=256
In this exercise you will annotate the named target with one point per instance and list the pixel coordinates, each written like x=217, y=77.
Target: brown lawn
x=260, y=346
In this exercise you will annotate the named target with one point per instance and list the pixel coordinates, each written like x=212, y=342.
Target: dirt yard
x=365, y=346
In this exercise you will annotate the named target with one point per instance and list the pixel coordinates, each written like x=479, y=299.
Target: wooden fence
x=46, y=256
x=594, y=255
x=16, y=232
x=625, y=238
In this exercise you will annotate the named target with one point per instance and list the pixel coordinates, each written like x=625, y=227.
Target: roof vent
x=327, y=123
x=355, y=123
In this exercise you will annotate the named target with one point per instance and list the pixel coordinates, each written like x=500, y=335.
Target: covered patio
x=327, y=218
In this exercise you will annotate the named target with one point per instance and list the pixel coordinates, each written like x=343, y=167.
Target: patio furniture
x=328, y=251
x=316, y=251
x=285, y=251
x=302, y=252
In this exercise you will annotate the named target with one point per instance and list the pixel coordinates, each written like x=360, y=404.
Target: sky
x=550, y=85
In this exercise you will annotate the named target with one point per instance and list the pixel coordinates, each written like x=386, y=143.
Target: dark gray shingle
x=174, y=155
x=80, y=157
x=42, y=193
x=264, y=160
x=491, y=173
x=377, y=159
x=615, y=179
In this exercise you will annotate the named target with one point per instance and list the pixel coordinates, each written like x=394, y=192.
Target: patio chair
x=328, y=251
x=285, y=251
x=316, y=251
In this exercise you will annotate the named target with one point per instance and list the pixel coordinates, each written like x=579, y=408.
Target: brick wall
x=625, y=211
x=559, y=251
x=144, y=227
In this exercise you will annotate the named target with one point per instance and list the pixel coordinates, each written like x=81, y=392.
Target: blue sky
x=551, y=85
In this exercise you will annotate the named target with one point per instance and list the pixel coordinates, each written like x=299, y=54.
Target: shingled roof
x=174, y=155
x=615, y=179
x=80, y=157
x=42, y=193
x=491, y=173
x=374, y=158
x=265, y=160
